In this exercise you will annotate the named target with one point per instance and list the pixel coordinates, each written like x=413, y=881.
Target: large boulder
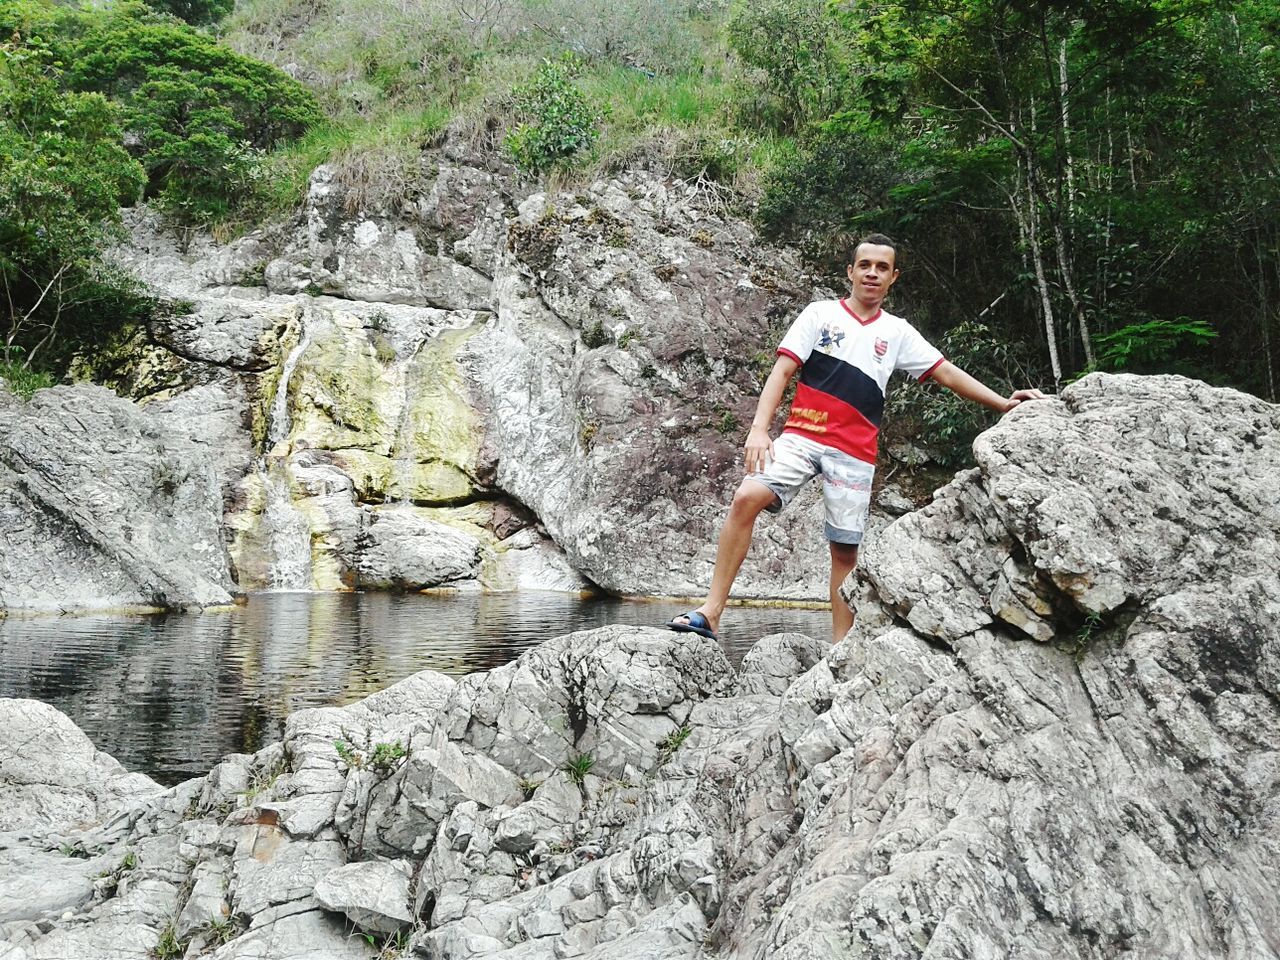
x=104, y=504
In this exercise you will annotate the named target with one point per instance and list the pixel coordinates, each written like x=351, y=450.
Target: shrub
x=198, y=115
x=556, y=121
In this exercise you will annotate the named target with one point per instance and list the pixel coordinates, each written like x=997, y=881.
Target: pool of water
x=170, y=694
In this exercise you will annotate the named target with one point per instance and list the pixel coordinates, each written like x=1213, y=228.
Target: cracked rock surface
x=105, y=504
x=1033, y=744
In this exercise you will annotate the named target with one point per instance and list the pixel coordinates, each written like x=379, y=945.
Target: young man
x=845, y=351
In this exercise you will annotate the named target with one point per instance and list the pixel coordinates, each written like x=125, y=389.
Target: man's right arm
x=759, y=446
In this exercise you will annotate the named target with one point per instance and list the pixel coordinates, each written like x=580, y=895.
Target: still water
x=170, y=694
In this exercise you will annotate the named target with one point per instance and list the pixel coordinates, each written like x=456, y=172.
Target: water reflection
x=171, y=694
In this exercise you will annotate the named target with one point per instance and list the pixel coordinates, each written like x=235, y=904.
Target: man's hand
x=1018, y=396
x=759, y=450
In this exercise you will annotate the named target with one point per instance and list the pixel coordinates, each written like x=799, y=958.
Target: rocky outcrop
x=104, y=504
x=563, y=378
x=1051, y=733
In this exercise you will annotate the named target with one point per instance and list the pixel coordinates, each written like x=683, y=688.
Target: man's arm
x=959, y=382
x=759, y=446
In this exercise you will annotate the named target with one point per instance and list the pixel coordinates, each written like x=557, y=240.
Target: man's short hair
x=851, y=242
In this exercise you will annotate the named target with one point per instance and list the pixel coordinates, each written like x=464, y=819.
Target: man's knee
x=751, y=498
x=844, y=554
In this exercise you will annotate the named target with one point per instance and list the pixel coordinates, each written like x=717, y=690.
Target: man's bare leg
x=735, y=540
x=844, y=557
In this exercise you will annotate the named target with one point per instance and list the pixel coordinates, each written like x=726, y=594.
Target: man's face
x=872, y=273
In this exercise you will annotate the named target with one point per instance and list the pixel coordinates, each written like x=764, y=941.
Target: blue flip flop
x=698, y=624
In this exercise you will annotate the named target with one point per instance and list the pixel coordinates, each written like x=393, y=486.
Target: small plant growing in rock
x=648, y=371
x=76, y=850
x=348, y=754
x=727, y=424
x=168, y=947
x=587, y=431
x=703, y=239
x=387, y=757
x=1078, y=644
x=627, y=338
x=594, y=336
x=221, y=930
x=672, y=742
x=391, y=946
x=529, y=787
x=578, y=767
x=313, y=290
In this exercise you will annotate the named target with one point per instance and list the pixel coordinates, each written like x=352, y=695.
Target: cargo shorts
x=846, y=483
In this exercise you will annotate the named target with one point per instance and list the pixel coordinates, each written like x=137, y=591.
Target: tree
x=63, y=177
x=197, y=114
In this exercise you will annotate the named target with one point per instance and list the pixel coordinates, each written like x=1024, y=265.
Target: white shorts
x=846, y=483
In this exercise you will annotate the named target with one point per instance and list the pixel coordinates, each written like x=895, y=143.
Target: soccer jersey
x=845, y=363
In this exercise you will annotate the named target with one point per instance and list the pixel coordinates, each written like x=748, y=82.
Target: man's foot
x=695, y=621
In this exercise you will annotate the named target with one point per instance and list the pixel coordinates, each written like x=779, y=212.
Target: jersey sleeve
x=917, y=356
x=799, y=341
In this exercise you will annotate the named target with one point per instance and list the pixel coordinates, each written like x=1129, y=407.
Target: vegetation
x=1065, y=172
x=555, y=121
x=672, y=742
x=578, y=766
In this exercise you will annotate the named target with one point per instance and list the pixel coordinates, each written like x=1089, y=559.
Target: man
x=845, y=351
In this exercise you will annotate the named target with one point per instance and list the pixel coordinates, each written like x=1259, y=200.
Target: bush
x=198, y=116
x=556, y=121
x=194, y=11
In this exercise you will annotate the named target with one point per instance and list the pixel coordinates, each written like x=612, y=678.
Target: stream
x=171, y=694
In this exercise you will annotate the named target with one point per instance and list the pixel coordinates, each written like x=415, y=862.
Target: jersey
x=845, y=364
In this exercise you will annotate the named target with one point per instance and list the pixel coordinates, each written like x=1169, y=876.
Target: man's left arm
x=959, y=382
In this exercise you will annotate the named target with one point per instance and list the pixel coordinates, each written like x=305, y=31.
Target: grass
x=672, y=742
x=168, y=947
x=23, y=381
x=579, y=766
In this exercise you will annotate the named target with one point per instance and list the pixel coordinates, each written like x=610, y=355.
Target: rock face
x=103, y=504
x=564, y=379
x=1051, y=734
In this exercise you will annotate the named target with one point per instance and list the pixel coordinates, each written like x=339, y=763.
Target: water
x=288, y=531
x=170, y=694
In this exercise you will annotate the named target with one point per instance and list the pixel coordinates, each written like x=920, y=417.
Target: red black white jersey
x=845, y=364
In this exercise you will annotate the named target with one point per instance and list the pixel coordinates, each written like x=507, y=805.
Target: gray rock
x=101, y=506
x=1070, y=754
x=400, y=548
x=374, y=895
x=774, y=662
x=52, y=778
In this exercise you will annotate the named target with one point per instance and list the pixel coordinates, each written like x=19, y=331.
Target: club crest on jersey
x=882, y=347
x=830, y=338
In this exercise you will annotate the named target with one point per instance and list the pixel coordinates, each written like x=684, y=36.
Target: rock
x=774, y=662
x=374, y=895
x=479, y=345
x=102, y=506
x=400, y=548
x=1019, y=750
x=52, y=778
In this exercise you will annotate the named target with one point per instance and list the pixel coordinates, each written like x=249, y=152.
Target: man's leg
x=844, y=557
x=735, y=540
